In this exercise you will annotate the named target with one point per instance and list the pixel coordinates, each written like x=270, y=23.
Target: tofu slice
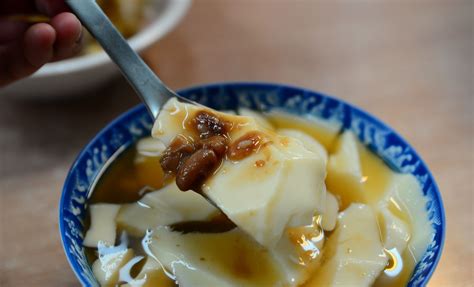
x=395, y=232
x=259, y=118
x=150, y=147
x=163, y=207
x=103, y=227
x=234, y=259
x=224, y=259
x=329, y=218
x=299, y=252
x=345, y=171
x=355, y=174
x=405, y=201
x=354, y=255
x=172, y=121
x=405, y=227
x=106, y=269
x=324, y=131
x=279, y=186
x=308, y=141
x=151, y=275
x=286, y=191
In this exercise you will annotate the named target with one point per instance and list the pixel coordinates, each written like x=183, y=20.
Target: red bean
x=196, y=169
x=208, y=125
x=179, y=149
x=217, y=143
x=245, y=145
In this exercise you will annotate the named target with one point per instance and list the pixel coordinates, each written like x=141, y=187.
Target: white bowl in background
x=73, y=76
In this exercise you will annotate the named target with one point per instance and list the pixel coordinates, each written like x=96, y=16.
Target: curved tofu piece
x=106, y=269
x=329, y=218
x=299, y=252
x=259, y=118
x=226, y=259
x=346, y=158
x=286, y=191
x=172, y=119
x=163, y=207
x=152, y=274
x=308, y=141
x=324, y=131
x=354, y=253
x=103, y=227
x=150, y=146
x=395, y=232
x=345, y=171
x=406, y=196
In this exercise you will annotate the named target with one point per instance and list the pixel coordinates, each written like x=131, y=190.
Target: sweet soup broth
x=225, y=249
x=128, y=178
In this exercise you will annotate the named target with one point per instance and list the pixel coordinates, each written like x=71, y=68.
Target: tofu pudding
x=244, y=199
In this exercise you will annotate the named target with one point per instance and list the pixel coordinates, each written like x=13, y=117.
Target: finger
x=9, y=30
x=38, y=44
x=25, y=58
x=51, y=7
x=68, y=35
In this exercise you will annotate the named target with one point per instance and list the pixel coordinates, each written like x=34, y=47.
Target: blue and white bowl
x=136, y=123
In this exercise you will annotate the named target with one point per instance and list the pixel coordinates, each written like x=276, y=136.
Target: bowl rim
x=171, y=15
x=262, y=85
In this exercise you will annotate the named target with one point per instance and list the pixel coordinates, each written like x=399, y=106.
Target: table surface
x=410, y=63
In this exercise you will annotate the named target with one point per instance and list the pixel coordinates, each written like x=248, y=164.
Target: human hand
x=25, y=47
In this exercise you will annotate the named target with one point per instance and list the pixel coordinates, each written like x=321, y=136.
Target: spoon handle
x=147, y=85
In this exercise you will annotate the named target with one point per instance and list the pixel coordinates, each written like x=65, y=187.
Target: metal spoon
x=152, y=91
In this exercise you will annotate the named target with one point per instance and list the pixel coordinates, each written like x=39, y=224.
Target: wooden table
x=408, y=62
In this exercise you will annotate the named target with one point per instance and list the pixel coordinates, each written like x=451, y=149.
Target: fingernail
x=78, y=40
x=38, y=48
